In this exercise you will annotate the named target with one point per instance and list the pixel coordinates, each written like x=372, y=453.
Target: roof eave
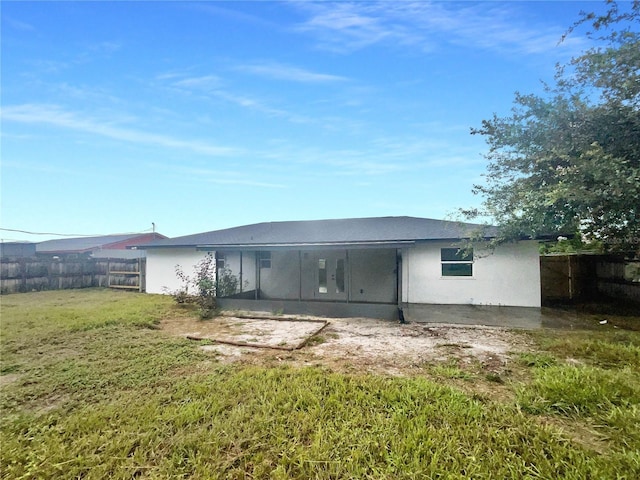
x=306, y=245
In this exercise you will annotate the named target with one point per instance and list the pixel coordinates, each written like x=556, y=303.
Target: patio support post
x=257, y=289
x=299, y=275
x=215, y=258
x=240, y=271
x=398, y=278
x=348, y=275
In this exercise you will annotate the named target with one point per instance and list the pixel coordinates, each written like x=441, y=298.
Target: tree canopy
x=569, y=161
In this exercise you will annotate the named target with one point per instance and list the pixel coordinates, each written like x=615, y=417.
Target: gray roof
x=81, y=244
x=316, y=233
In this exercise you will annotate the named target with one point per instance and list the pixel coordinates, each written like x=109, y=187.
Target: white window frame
x=466, y=261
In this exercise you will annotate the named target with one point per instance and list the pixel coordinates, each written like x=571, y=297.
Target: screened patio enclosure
x=338, y=275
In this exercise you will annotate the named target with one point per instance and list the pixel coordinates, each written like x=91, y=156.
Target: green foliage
x=207, y=283
x=227, y=282
x=571, y=245
x=202, y=283
x=570, y=161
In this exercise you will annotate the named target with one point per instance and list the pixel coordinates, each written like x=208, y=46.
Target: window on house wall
x=220, y=262
x=456, y=262
x=264, y=259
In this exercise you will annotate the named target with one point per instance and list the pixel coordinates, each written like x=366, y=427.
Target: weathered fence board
x=34, y=273
x=585, y=277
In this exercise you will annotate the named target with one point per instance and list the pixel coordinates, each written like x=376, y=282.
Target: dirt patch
x=8, y=379
x=364, y=344
x=266, y=332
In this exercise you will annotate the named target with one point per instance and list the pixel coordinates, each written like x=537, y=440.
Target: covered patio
x=330, y=280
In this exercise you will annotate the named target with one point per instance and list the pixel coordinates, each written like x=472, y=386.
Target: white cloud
x=57, y=116
x=349, y=26
x=205, y=82
x=346, y=27
x=290, y=73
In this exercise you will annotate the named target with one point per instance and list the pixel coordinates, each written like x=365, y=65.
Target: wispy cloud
x=19, y=25
x=213, y=87
x=350, y=26
x=379, y=157
x=346, y=27
x=57, y=116
x=314, y=161
x=214, y=176
x=206, y=82
x=106, y=48
x=234, y=15
x=290, y=73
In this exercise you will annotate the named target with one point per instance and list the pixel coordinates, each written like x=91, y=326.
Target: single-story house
x=352, y=267
x=104, y=246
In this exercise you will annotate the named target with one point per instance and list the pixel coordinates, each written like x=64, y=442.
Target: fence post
x=23, y=274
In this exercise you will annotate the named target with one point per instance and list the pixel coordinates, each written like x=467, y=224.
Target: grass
x=92, y=389
x=590, y=378
x=451, y=370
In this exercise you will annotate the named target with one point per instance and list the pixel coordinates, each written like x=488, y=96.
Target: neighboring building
x=114, y=246
x=352, y=267
x=17, y=249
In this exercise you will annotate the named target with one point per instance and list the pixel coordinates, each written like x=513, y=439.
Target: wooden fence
x=588, y=277
x=34, y=274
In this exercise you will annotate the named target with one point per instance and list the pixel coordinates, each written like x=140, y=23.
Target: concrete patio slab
x=511, y=317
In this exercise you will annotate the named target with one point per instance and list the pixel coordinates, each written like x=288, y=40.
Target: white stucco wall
x=508, y=276
x=161, y=267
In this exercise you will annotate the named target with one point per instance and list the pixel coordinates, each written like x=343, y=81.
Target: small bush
x=202, y=284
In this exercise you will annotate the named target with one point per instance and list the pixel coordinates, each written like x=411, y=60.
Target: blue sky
x=205, y=115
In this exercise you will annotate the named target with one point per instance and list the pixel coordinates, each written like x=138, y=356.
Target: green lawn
x=92, y=389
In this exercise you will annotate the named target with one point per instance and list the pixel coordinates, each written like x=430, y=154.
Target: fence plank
x=36, y=273
x=585, y=277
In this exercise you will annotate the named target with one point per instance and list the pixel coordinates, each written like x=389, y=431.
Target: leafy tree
x=569, y=161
